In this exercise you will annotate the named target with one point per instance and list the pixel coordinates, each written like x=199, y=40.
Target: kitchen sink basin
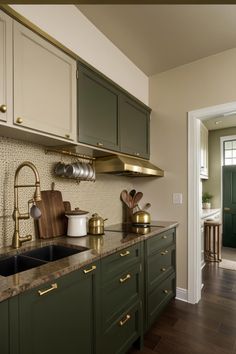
x=53, y=252
x=35, y=258
x=17, y=264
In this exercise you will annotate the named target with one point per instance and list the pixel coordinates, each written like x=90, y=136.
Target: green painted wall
x=213, y=184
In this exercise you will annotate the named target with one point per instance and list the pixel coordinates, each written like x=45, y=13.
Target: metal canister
x=96, y=225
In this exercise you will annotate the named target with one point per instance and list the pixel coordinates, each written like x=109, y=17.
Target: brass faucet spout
x=17, y=239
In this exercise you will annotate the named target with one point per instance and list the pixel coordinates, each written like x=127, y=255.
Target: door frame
x=194, y=198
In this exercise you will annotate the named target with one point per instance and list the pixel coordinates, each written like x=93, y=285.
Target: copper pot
x=141, y=217
x=96, y=225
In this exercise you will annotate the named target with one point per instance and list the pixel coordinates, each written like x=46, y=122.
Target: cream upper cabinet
x=44, y=85
x=5, y=67
x=204, y=151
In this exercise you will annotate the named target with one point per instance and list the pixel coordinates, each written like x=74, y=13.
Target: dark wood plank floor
x=206, y=328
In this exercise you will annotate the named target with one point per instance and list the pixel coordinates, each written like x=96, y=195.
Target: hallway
x=206, y=328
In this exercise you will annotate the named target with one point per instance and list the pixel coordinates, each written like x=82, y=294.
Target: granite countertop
x=209, y=212
x=98, y=247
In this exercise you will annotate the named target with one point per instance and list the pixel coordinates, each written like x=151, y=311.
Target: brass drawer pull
x=19, y=120
x=3, y=108
x=163, y=269
x=99, y=144
x=124, y=320
x=164, y=252
x=226, y=209
x=165, y=237
x=89, y=270
x=127, y=277
x=43, y=292
x=126, y=253
x=166, y=291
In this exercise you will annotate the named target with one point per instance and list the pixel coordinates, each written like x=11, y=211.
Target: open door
x=229, y=206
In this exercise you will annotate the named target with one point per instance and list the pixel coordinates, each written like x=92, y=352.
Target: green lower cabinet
x=60, y=317
x=123, y=332
x=159, y=298
x=4, y=328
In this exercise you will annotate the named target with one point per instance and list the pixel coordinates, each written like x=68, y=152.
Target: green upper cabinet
x=98, y=110
x=110, y=118
x=4, y=328
x=5, y=67
x=59, y=317
x=134, y=128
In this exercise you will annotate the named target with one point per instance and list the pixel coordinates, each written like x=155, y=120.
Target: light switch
x=177, y=198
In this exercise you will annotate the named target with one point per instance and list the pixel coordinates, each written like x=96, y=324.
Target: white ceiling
x=160, y=37
x=220, y=122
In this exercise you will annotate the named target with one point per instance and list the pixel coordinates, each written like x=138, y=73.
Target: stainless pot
x=96, y=225
x=141, y=217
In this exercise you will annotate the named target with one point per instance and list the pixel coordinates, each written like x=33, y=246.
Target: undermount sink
x=35, y=258
x=17, y=264
x=53, y=252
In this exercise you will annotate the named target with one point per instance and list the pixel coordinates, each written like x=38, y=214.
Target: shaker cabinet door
x=134, y=128
x=59, y=318
x=44, y=85
x=97, y=110
x=4, y=328
x=5, y=67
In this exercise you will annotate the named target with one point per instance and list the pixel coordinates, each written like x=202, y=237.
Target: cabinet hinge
x=77, y=74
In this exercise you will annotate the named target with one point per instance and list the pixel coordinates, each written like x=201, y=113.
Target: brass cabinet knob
x=67, y=136
x=163, y=269
x=19, y=120
x=99, y=144
x=165, y=291
x=3, y=108
x=137, y=153
x=164, y=237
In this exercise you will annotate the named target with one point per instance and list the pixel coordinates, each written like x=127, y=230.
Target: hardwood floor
x=206, y=328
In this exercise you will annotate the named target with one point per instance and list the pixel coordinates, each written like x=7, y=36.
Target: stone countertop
x=98, y=247
x=209, y=212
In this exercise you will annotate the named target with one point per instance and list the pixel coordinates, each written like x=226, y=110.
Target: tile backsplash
x=102, y=196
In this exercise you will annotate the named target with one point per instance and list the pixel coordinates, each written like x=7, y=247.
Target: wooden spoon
x=146, y=206
x=138, y=196
x=125, y=197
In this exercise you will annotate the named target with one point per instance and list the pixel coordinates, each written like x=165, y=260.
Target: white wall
x=70, y=27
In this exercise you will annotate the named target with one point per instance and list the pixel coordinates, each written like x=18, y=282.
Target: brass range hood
x=127, y=166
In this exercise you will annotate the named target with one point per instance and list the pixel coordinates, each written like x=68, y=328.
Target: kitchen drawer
x=159, y=297
x=123, y=290
x=126, y=329
x=160, y=241
x=120, y=261
x=159, y=266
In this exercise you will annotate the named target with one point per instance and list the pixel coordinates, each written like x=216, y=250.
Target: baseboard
x=182, y=294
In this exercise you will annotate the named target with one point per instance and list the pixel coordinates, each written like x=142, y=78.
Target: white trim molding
x=194, y=198
x=181, y=294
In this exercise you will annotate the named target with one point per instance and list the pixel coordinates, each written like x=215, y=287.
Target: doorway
x=194, y=193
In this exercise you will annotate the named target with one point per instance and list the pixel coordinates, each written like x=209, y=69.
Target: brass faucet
x=17, y=240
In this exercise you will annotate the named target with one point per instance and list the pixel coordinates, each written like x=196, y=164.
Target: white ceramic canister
x=77, y=223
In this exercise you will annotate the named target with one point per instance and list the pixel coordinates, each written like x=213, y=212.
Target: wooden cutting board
x=53, y=221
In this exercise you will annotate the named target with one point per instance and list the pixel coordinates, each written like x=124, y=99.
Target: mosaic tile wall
x=102, y=196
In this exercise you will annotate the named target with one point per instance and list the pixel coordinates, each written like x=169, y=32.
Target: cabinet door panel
x=61, y=321
x=4, y=327
x=98, y=110
x=123, y=332
x=134, y=128
x=44, y=85
x=5, y=67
